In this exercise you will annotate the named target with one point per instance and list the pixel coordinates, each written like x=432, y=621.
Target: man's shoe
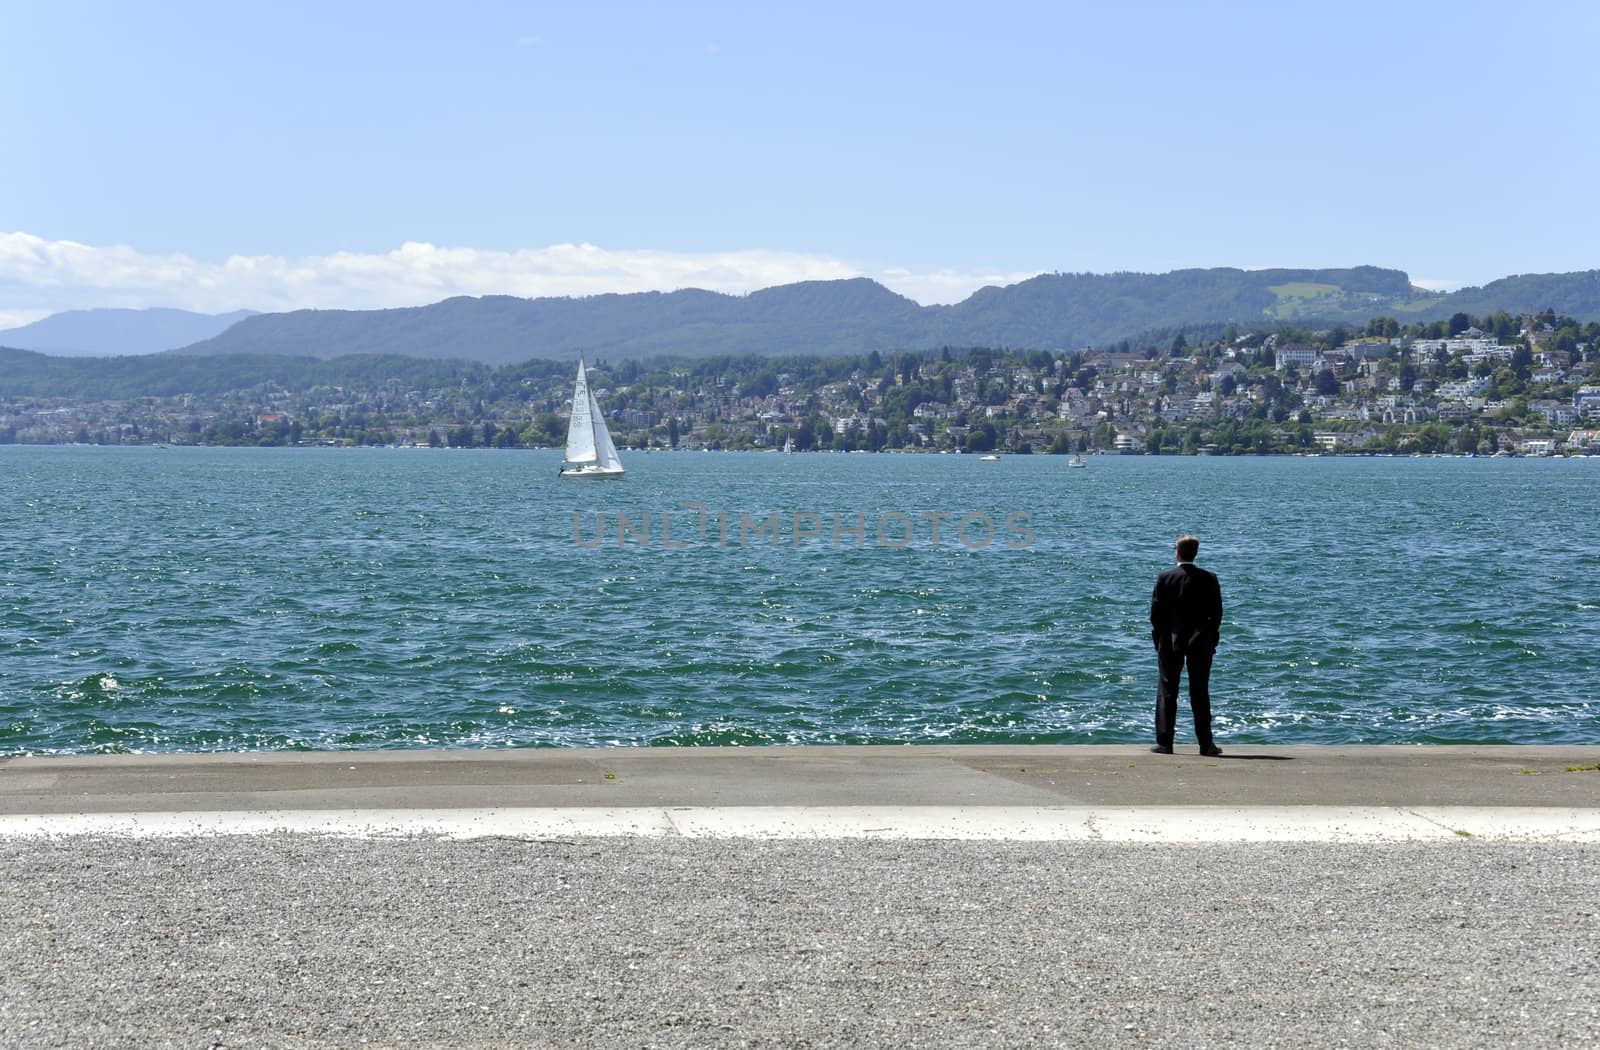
x=1211, y=752
x=1158, y=749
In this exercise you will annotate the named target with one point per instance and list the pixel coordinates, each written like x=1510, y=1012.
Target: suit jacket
x=1186, y=610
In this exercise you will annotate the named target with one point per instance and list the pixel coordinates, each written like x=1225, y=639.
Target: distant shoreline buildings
x=1528, y=387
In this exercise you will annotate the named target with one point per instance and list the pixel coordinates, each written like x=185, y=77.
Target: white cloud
x=39, y=277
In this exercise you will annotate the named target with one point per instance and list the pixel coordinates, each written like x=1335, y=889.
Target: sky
x=286, y=155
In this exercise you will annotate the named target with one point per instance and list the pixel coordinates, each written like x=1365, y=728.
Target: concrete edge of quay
x=1118, y=824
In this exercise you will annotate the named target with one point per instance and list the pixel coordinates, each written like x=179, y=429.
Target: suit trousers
x=1172, y=665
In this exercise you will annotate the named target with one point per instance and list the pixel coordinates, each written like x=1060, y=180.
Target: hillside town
x=1524, y=386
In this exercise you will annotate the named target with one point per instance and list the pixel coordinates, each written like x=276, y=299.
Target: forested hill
x=1569, y=294
x=1070, y=310
x=1052, y=311
x=26, y=373
x=823, y=317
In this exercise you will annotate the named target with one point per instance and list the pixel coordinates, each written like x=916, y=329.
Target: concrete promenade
x=915, y=896
x=1313, y=793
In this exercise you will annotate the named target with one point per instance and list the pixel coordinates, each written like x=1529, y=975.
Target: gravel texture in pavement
x=297, y=940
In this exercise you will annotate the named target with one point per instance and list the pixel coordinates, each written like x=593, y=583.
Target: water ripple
x=275, y=599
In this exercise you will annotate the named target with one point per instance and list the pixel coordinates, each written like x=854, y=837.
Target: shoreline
x=1103, y=453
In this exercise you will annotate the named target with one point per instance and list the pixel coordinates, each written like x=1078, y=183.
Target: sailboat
x=788, y=444
x=590, y=453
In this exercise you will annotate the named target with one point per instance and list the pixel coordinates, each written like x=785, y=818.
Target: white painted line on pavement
x=352, y=823
x=1156, y=824
x=1522, y=822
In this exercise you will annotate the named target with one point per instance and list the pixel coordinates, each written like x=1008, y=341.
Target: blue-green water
x=202, y=599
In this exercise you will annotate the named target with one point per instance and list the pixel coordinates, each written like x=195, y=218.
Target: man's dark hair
x=1188, y=547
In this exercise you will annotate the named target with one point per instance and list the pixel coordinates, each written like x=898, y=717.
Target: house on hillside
x=1297, y=354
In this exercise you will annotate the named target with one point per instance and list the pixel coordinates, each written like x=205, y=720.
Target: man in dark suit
x=1185, y=623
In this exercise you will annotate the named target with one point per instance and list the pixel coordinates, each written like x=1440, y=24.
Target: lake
x=192, y=599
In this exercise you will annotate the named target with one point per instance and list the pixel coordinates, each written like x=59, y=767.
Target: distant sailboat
x=788, y=444
x=590, y=453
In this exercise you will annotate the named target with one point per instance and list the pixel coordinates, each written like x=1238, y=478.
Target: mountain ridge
x=1051, y=311
x=854, y=315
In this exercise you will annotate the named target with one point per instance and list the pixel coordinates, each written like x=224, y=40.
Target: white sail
x=590, y=451
x=581, y=430
x=606, y=457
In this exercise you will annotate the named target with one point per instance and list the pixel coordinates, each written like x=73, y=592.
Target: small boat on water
x=590, y=452
x=1077, y=461
x=988, y=459
x=788, y=444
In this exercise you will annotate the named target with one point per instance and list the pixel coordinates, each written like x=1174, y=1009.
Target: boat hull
x=595, y=473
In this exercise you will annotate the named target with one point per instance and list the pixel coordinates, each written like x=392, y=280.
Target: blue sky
x=216, y=156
